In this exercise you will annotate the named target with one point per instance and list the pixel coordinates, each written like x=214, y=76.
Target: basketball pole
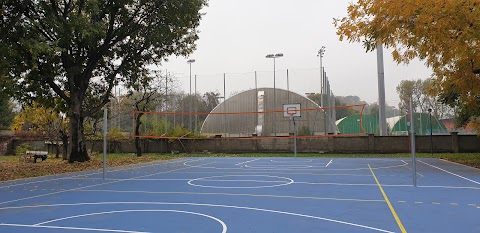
x=294, y=136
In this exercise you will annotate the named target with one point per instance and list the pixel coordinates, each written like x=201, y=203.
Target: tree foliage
x=444, y=34
x=421, y=98
x=211, y=100
x=6, y=112
x=339, y=101
x=40, y=121
x=79, y=50
x=144, y=95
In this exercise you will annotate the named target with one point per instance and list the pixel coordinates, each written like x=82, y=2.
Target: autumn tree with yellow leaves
x=445, y=34
x=41, y=121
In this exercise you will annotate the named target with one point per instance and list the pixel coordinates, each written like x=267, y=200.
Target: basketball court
x=249, y=195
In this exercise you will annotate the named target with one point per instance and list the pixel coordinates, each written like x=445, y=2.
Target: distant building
x=397, y=125
x=255, y=113
x=351, y=124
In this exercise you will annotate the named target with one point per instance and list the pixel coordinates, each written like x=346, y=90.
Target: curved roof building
x=398, y=125
x=259, y=112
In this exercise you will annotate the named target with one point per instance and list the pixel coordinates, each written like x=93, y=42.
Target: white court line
x=474, y=168
x=70, y=228
x=450, y=172
x=284, y=173
x=89, y=186
x=392, y=185
x=224, y=226
x=253, y=181
x=386, y=185
x=114, y=169
x=209, y=205
x=448, y=187
x=130, y=179
x=339, y=184
x=329, y=163
x=412, y=170
x=236, y=194
x=314, y=168
x=258, y=181
x=247, y=161
x=205, y=179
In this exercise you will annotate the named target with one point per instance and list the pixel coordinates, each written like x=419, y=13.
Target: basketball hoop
x=292, y=112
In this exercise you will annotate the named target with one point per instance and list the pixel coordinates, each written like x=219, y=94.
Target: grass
x=12, y=168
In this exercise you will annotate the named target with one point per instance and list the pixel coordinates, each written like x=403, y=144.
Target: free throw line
x=329, y=163
x=247, y=161
x=399, y=222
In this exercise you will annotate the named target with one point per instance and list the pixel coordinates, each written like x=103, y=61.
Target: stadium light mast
x=320, y=54
x=190, y=61
x=274, y=56
x=381, y=90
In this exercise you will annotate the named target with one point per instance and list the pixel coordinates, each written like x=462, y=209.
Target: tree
x=79, y=50
x=421, y=98
x=145, y=96
x=211, y=100
x=339, y=101
x=46, y=122
x=343, y=112
x=413, y=89
x=6, y=112
x=444, y=34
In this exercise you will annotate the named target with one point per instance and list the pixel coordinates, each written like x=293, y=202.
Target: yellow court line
x=400, y=225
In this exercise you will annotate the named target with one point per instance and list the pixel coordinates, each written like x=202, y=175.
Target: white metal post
x=412, y=142
x=196, y=106
x=104, y=141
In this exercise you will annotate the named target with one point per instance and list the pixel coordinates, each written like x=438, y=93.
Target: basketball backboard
x=291, y=110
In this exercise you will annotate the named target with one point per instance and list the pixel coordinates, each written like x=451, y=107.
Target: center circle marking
x=278, y=167
x=281, y=180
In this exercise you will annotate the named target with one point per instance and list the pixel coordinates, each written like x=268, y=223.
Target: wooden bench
x=33, y=155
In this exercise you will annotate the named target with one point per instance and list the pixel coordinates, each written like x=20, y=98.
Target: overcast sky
x=236, y=35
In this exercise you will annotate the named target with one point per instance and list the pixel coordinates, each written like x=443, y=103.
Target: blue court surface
x=279, y=195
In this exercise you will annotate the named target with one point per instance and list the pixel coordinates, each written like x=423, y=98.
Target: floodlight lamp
x=191, y=61
x=321, y=52
x=270, y=56
x=279, y=55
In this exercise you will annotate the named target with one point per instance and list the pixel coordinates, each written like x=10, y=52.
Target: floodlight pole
x=190, y=97
x=412, y=142
x=274, y=89
x=381, y=90
x=320, y=54
x=196, y=106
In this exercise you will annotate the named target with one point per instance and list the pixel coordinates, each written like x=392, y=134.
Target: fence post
x=455, y=146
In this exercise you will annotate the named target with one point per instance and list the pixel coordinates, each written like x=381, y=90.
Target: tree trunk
x=57, y=147
x=137, y=133
x=65, y=146
x=78, y=148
